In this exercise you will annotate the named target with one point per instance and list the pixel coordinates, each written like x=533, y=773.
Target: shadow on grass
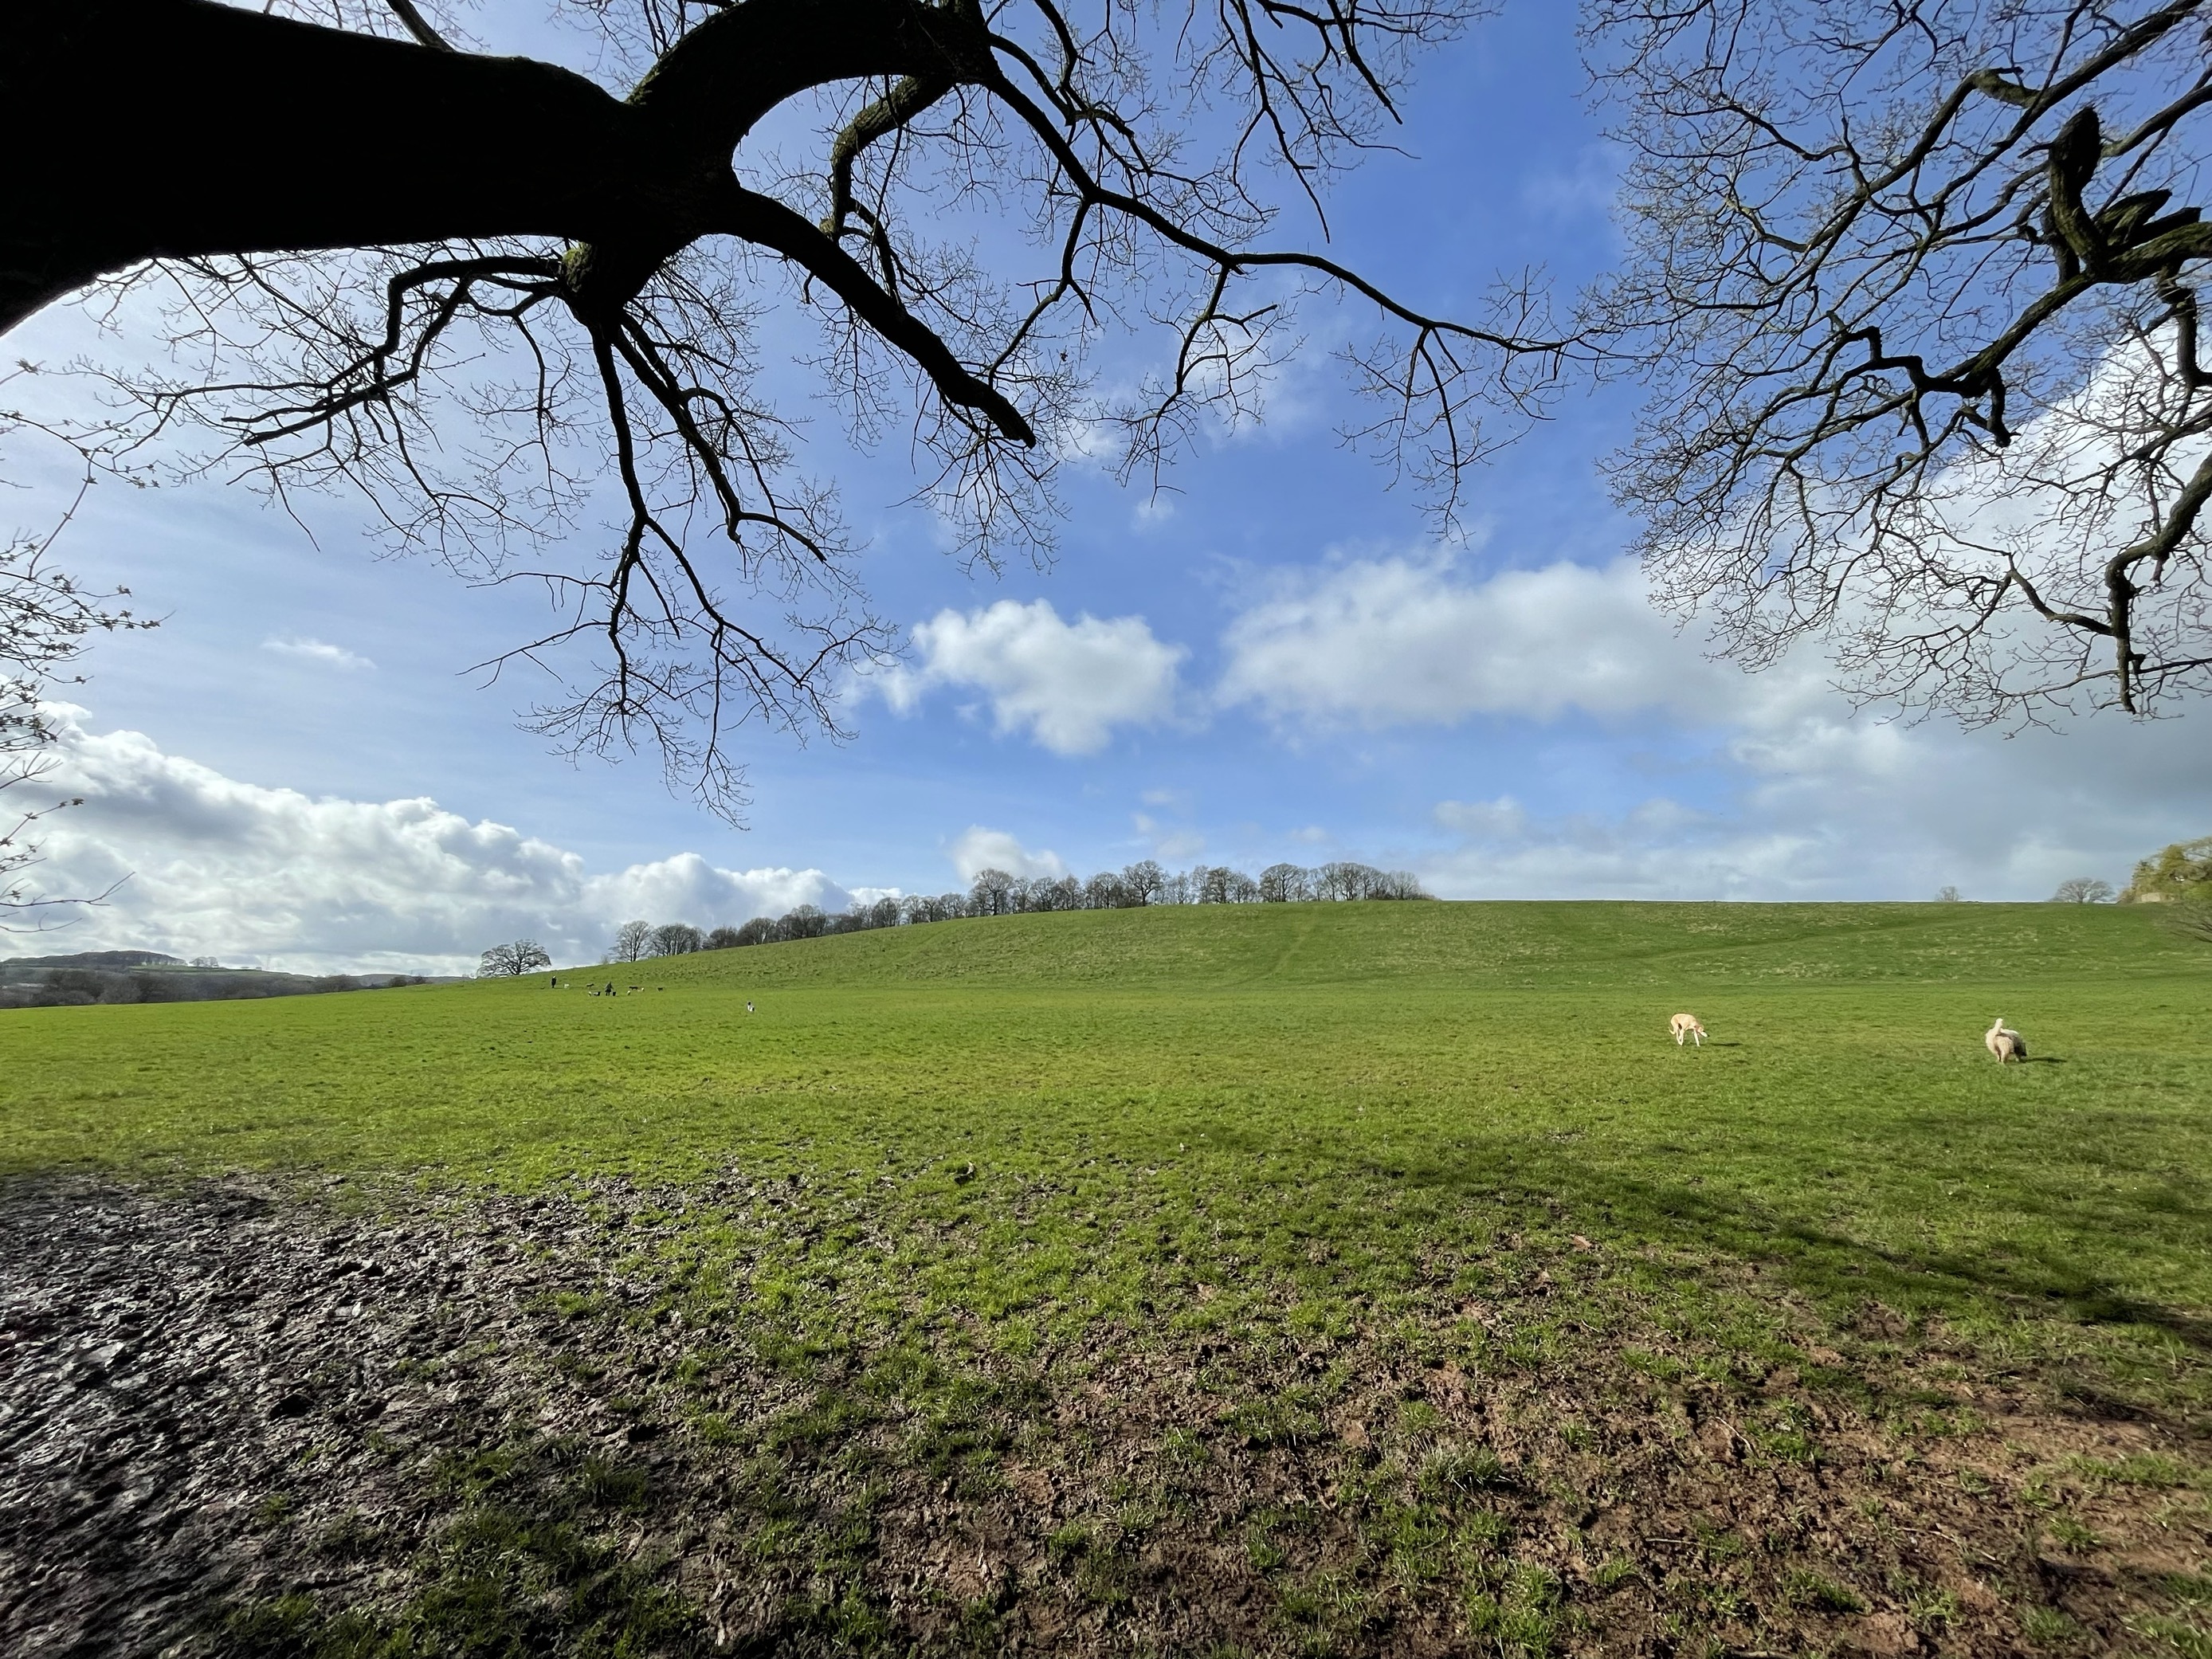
x=2019, y=1277
x=527, y=1558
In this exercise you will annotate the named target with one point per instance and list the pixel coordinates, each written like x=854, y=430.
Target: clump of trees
x=2179, y=874
x=996, y=893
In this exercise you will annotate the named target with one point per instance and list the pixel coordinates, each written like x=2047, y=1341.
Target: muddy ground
x=236, y=1420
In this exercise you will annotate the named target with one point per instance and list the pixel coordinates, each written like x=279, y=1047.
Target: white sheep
x=1685, y=1025
x=2005, y=1043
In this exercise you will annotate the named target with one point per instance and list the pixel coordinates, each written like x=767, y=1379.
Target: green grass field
x=1437, y=1140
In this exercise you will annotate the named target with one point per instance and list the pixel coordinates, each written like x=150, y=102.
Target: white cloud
x=1502, y=818
x=1393, y=641
x=1068, y=685
x=241, y=871
x=1165, y=841
x=1586, y=188
x=1776, y=787
x=317, y=650
x=1175, y=843
x=978, y=849
x=1814, y=803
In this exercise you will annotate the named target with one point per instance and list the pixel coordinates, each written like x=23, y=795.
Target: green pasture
x=1273, y=1116
x=1194, y=1215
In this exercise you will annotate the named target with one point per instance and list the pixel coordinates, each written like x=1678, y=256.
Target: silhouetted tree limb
x=46, y=619
x=497, y=298
x=1917, y=287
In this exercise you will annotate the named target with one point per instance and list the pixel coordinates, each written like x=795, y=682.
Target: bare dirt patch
x=243, y=1421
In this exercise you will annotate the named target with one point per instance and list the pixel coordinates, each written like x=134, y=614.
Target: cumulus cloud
x=978, y=849
x=317, y=650
x=1402, y=640
x=1791, y=792
x=1816, y=804
x=247, y=873
x=1068, y=684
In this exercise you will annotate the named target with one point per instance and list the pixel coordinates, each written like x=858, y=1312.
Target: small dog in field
x=1685, y=1026
x=2004, y=1043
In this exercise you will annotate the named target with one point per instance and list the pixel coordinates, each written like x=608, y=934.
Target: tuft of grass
x=1520, y=1619
x=2071, y=1535
x=2148, y=1469
x=1455, y=1476
x=1817, y=1593
x=1931, y=1612
x=2175, y=1636
x=1614, y=1571
x=2051, y=1627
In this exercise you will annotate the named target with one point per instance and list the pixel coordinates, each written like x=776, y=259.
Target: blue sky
x=1280, y=662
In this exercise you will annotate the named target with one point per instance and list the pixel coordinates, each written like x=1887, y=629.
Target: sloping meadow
x=1372, y=1277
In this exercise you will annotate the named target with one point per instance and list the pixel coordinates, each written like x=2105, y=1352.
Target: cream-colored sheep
x=1685, y=1025
x=2001, y=1041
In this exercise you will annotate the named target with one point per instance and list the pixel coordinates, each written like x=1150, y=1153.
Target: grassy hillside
x=1687, y=946
x=1846, y=1100
x=1270, y=1131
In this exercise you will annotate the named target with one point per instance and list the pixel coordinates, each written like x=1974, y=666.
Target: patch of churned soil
x=235, y=1420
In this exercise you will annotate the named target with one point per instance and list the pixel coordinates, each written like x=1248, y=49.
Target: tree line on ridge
x=996, y=893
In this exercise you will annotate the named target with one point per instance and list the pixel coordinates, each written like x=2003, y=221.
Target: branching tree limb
x=366, y=239
x=1916, y=284
x=45, y=620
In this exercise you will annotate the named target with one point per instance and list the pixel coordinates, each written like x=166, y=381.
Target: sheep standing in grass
x=1685, y=1025
x=2001, y=1041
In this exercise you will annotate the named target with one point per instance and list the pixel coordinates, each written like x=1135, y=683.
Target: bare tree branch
x=1923, y=337
x=502, y=305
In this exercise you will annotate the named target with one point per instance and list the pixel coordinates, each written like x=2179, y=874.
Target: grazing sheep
x=1685, y=1025
x=2001, y=1041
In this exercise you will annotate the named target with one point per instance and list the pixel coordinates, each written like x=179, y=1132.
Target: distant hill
x=128, y=976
